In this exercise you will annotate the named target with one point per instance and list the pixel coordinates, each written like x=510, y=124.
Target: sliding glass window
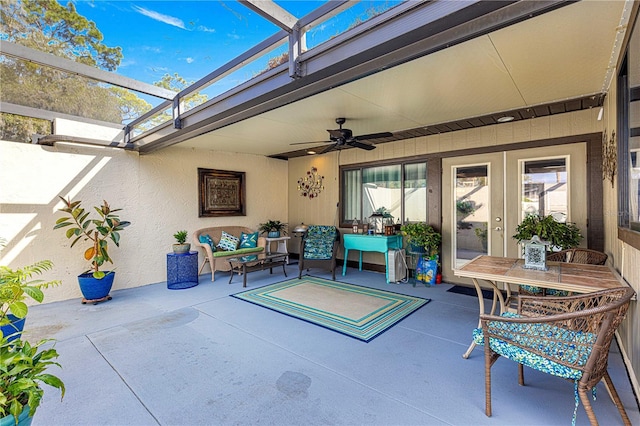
x=400, y=189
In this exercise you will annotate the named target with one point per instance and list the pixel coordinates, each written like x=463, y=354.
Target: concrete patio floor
x=153, y=356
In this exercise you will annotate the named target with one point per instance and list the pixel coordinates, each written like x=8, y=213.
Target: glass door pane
x=471, y=196
x=544, y=189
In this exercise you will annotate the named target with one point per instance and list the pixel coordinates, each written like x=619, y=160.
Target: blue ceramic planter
x=93, y=288
x=14, y=328
x=23, y=419
x=273, y=234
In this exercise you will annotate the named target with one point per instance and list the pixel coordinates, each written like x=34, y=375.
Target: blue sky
x=191, y=38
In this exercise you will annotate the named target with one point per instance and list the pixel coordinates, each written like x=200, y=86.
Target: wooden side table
x=281, y=246
x=182, y=270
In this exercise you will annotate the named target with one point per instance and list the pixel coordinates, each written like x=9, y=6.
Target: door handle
x=497, y=228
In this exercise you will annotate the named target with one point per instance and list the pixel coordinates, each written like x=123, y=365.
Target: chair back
x=318, y=242
x=579, y=255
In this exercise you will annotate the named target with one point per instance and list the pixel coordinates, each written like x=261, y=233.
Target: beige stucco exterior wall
x=158, y=194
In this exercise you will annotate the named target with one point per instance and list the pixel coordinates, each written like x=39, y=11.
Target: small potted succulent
x=96, y=232
x=273, y=228
x=182, y=246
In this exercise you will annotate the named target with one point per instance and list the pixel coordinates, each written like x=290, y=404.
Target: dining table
x=572, y=277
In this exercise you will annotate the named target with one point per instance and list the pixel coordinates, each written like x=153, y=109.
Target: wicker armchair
x=573, y=255
x=318, y=247
x=568, y=337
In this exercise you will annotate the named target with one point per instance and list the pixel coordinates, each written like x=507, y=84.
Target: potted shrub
x=96, y=232
x=15, y=287
x=273, y=228
x=22, y=373
x=182, y=246
x=422, y=238
x=559, y=235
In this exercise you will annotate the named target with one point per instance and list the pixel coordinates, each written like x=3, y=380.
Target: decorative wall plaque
x=221, y=193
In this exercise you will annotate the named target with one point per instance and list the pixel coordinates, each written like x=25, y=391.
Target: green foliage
x=422, y=235
x=558, y=234
x=19, y=129
x=180, y=236
x=16, y=286
x=95, y=231
x=465, y=207
x=22, y=373
x=273, y=225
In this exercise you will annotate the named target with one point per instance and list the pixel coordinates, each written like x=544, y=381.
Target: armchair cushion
x=555, y=342
x=319, y=242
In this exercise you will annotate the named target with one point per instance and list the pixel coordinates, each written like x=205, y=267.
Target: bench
x=218, y=259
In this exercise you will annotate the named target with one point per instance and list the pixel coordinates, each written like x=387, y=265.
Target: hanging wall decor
x=609, y=156
x=222, y=193
x=312, y=184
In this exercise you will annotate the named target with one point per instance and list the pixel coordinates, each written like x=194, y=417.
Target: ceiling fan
x=341, y=137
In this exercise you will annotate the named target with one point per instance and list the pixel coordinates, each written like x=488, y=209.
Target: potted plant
x=422, y=238
x=15, y=287
x=96, y=231
x=559, y=235
x=22, y=373
x=182, y=246
x=273, y=228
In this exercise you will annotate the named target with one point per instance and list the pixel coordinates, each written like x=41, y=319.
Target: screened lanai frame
x=401, y=34
x=281, y=50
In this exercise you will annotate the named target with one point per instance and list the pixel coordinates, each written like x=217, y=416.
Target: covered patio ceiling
x=560, y=60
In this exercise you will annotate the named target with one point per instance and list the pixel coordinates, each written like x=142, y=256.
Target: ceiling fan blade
x=306, y=143
x=361, y=145
x=329, y=148
x=374, y=136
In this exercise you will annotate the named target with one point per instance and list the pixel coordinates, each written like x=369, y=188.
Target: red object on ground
x=439, y=278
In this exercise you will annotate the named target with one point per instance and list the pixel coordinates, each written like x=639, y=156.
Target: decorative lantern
x=355, y=226
x=377, y=222
x=535, y=254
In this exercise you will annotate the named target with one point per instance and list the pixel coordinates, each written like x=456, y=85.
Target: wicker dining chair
x=573, y=255
x=568, y=337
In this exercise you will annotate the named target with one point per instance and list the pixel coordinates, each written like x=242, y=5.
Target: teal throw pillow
x=206, y=239
x=228, y=242
x=248, y=240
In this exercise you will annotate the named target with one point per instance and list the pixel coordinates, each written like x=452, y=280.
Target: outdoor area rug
x=359, y=312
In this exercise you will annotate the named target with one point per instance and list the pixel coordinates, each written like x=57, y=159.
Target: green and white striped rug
x=356, y=311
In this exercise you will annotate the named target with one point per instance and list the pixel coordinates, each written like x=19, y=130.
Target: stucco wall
x=158, y=194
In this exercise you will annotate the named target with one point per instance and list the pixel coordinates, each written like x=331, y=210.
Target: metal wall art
x=221, y=193
x=311, y=185
x=609, y=156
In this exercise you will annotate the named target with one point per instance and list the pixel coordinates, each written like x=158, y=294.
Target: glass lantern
x=377, y=222
x=535, y=254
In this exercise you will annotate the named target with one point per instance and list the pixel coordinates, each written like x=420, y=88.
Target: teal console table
x=379, y=243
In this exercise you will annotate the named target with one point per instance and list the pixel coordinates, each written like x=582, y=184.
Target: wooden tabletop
x=573, y=277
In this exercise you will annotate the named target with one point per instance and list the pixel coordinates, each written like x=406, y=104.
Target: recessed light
x=505, y=119
x=311, y=152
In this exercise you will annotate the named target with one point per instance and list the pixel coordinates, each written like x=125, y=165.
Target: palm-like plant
x=82, y=227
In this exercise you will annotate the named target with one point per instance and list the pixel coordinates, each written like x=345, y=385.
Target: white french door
x=485, y=196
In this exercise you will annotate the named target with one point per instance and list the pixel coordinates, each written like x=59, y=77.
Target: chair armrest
x=262, y=242
x=204, y=246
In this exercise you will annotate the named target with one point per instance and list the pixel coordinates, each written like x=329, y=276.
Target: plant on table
x=559, y=235
x=180, y=236
x=273, y=226
x=96, y=231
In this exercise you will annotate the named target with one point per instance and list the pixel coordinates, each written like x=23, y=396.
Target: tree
x=47, y=26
